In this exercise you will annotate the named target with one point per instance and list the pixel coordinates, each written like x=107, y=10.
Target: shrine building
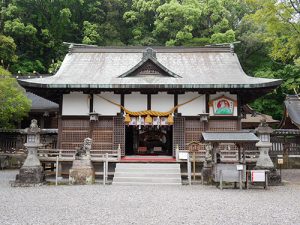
x=147, y=100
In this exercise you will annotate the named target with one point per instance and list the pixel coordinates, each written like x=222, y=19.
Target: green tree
x=140, y=21
x=14, y=105
x=176, y=21
x=270, y=48
x=281, y=24
x=7, y=51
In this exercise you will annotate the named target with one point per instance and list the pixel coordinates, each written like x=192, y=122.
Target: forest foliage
x=32, y=33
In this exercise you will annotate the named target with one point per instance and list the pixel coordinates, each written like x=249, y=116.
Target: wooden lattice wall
x=103, y=138
x=74, y=131
x=193, y=130
x=178, y=133
x=222, y=125
x=107, y=133
x=119, y=133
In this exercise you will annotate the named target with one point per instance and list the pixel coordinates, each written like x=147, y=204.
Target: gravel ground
x=97, y=204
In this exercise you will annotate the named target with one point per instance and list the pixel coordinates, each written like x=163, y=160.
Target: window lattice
x=178, y=133
x=73, y=133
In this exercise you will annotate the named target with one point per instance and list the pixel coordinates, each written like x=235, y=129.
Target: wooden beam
x=176, y=102
x=59, y=123
x=149, y=101
x=91, y=103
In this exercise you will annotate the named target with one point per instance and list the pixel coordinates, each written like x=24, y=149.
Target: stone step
x=148, y=165
x=147, y=179
x=144, y=184
x=146, y=174
x=148, y=170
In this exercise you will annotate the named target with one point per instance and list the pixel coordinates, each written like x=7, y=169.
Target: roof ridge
x=159, y=49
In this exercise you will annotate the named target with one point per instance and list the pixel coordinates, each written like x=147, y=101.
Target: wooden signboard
x=193, y=146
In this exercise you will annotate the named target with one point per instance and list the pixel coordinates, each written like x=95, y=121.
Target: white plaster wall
x=162, y=102
x=104, y=107
x=135, y=101
x=192, y=108
x=228, y=95
x=219, y=94
x=76, y=104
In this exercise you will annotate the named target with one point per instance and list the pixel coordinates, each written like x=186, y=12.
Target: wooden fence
x=13, y=141
x=68, y=155
x=285, y=145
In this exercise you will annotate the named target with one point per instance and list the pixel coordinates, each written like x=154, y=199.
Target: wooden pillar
x=91, y=103
x=207, y=103
x=214, y=152
x=239, y=122
x=59, y=122
x=91, y=126
x=206, y=124
x=176, y=102
x=148, y=101
x=122, y=102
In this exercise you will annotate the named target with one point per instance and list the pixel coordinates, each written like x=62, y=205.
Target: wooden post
x=194, y=165
x=221, y=180
x=244, y=155
x=189, y=169
x=266, y=177
x=240, y=178
x=104, y=171
x=247, y=178
x=106, y=167
x=239, y=151
x=56, y=171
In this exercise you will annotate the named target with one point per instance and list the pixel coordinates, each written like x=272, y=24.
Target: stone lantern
x=31, y=173
x=264, y=161
x=264, y=145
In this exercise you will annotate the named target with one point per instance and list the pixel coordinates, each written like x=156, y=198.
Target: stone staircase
x=147, y=174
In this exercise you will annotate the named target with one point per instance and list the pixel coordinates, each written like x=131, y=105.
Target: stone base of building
x=206, y=174
x=82, y=172
x=29, y=176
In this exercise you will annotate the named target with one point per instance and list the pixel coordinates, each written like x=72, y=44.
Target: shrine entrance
x=148, y=140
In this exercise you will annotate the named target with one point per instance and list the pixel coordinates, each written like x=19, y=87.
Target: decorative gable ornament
x=149, y=65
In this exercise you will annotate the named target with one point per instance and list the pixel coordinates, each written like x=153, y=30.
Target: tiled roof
x=41, y=104
x=102, y=68
x=229, y=137
x=292, y=104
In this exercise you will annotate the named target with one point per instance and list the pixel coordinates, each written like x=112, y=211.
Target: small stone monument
x=207, y=165
x=31, y=173
x=264, y=161
x=82, y=171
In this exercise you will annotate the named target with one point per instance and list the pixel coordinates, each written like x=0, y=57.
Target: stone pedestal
x=29, y=176
x=82, y=172
x=31, y=173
